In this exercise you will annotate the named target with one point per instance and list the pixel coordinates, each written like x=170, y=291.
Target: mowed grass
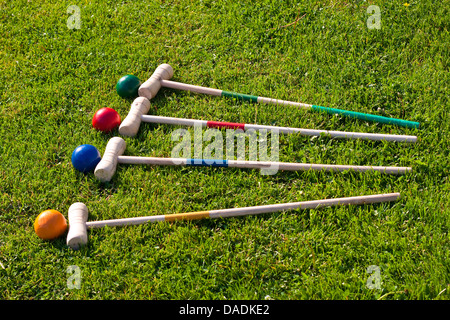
x=53, y=80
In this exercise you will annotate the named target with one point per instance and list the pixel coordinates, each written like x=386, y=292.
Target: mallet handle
x=283, y=130
x=245, y=211
x=257, y=164
x=189, y=87
x=247, y=97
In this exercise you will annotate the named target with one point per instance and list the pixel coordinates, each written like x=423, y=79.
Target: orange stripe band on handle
x=187, y=216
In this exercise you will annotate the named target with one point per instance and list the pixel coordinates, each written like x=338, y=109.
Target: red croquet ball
x=106, y=119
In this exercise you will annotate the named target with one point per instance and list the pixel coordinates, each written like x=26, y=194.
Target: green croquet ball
x=127, y=86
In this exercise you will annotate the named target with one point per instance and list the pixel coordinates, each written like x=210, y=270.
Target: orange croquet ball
x=50, y=224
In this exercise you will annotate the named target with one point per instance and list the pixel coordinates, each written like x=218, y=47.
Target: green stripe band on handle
x=240, y=96
x=368, y=117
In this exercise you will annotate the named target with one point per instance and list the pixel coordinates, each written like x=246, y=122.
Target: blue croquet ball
x=85, y=157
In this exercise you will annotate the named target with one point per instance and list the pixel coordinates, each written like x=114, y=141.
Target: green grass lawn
x=53, y=80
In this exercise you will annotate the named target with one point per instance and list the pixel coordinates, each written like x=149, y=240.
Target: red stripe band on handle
x=226, y=125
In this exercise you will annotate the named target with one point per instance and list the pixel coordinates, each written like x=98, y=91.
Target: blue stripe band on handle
x=207, y=163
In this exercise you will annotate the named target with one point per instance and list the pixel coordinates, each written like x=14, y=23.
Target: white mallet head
x=130, y=125
x=106, y=168
x=77, y=235
x=150, y=88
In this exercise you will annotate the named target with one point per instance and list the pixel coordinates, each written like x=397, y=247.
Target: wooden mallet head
x=77, y=235
x=106, y=168
x=130, y=125
x=150, y=88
